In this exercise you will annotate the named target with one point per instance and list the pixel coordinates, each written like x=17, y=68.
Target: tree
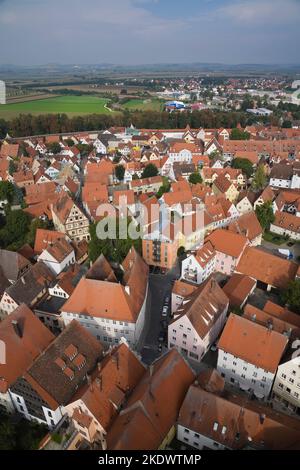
x=239, y=134
x=54, y=148
x=149, y=171
x=243, y=164
x=113, y=249
x=7, y=191
x=13, y=234
x=260, y=179
x=165, y=188
x=265, y=215
x=120, y=172
x=195, y=178
x=12, y=167
x=287, y=124
x=35, y=224
x=69, y=142
x=291, y=295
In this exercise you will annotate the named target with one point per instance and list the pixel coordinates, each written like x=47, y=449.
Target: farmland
x=143, y=105
x=70, y=105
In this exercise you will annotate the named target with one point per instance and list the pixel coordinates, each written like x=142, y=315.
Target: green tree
x=114, y=249
x=35, y=224
x=7, y=191
x=54, y=148
x=291, y=295
x=13, y=234
x=243, y=164
x=120, y=172
x=260, y=179
x=150, y=170
x=265, y=215
x=12, y=167
x=239, y=134
x=69, y=142
x=195, y=178
x=165, y=188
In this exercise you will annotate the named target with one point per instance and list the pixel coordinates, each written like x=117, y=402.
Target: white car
x=165, y=311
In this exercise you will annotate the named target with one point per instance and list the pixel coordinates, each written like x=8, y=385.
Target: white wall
x=196, y=440
x=245, y=375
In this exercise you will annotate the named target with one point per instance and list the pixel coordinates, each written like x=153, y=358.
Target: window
x=186, y=431
x=216, y=425
x=280, y=385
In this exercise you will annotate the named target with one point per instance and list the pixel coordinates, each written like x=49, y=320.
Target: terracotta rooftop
x=266, y=267
x=269, y=321
x=166, y=381
x=247, y=225
x=237, y=423
x=239, y=337
x=227, y=242
x=47, y=375
x=25, y=337
x=238, y=288
x=204, y=307
x=44, y=238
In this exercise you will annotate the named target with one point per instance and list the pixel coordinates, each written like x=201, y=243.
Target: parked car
x=164, y=324
x=160, y=347
x=165, y=311
x=167, y=300
x=213, y=347
x=290, y=244
x=162, y=337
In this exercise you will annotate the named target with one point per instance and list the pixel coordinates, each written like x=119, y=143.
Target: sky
x=133, y=32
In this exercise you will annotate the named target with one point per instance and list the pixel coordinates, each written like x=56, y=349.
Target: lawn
x=71, y=105
x=143, y=105
x=274, y=238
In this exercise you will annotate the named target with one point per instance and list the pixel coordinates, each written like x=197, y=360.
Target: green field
x=71, y=105
x=144, y=105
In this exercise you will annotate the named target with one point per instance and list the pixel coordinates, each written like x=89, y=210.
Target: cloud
x=146, y=31
x=252, y=12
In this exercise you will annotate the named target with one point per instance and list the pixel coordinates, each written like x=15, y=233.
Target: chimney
x=127, y=289
x=99, y=383
x=262, y=418
x=17, y=327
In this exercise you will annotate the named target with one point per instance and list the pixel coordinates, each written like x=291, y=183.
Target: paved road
x=160, y=285
x=273, y=248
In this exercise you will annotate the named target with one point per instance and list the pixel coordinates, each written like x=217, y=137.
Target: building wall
x=6, y=402
x=279, y=183
x=7, y=305
x=167, y=254
x=245, y=375
x=244, y=206
x=183, y=336
x=55, y=266
x=225, y=263
x=192, y=271
x=284, y=231
x=51, y=417
x=196, y=440
x=108, y=331
x=286, y=388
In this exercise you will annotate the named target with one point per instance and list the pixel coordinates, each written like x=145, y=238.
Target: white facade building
x=250, y=361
